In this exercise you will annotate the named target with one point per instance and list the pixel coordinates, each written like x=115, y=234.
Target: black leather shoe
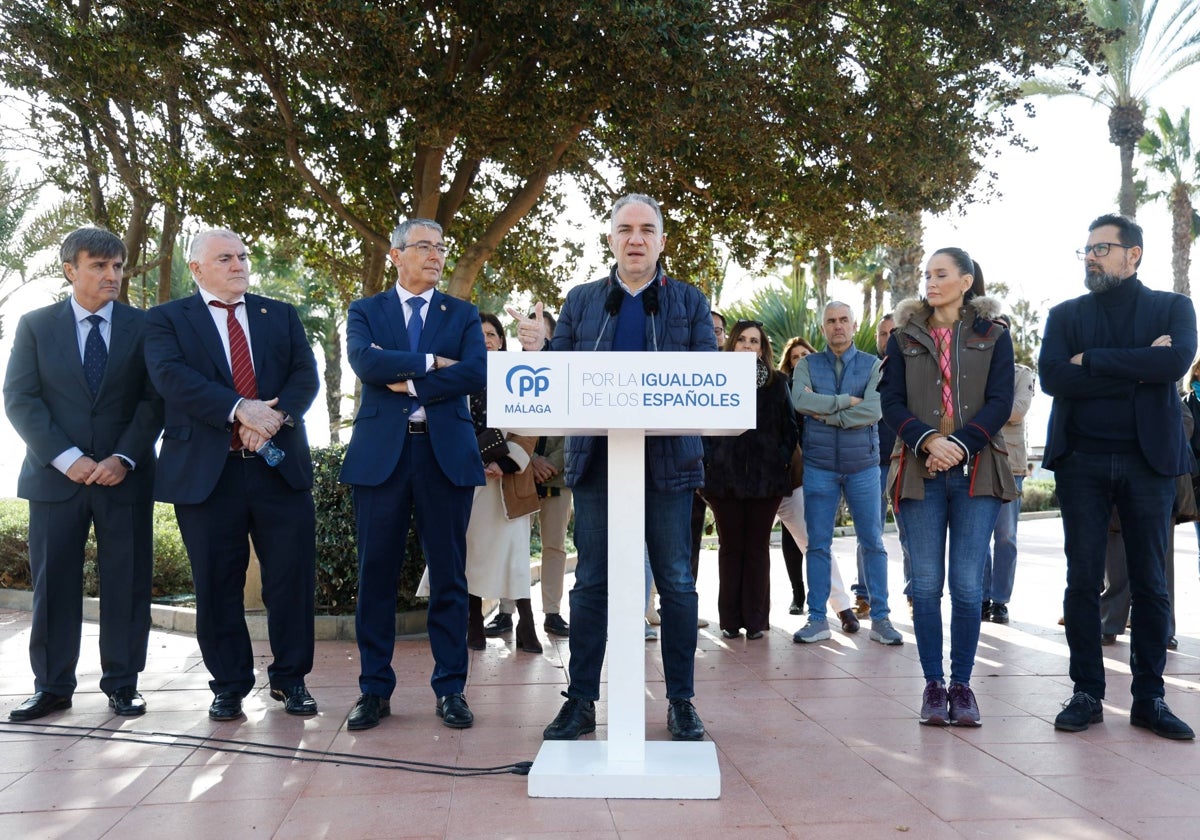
x=985, y=613
x=368, y=711
x=126, y=702
x=1078, y=712
x=499, y=625
x=999, y=613
x=226, y=706
x=1159, y=719
x=555, y=626
x=39, y=705
x=731, y=634
x=296, y=700
x=454, y=712
x=576, y=717
x=850, y=623
x=683, y=722
x=1107, y=639
x=753, y=635
x=1172, y=643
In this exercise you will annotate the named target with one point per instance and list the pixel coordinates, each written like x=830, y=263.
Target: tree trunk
x=1181, y=238
x=332, y=347
x=166, y=251
x=374, y=267
x=822, y=271
x=903, y=257
x=1127, y=197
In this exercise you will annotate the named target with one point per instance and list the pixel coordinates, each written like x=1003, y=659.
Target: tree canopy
x=760, y=125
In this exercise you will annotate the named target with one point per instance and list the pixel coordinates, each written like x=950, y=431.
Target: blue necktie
x=415, y=323
x=95, y=355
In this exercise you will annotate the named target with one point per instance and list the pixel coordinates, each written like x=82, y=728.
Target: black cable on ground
x=237, y=747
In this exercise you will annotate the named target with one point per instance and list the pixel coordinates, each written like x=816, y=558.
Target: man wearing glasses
x=636, y=307
x=419, y=354
x=1111, y=359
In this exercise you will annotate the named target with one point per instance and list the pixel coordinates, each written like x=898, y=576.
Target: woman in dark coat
x=744, y=479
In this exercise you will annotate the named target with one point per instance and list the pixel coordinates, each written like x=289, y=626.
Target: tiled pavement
x=812, y=740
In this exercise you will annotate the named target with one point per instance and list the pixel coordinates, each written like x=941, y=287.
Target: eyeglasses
x=1101, y=249
x=423, y=248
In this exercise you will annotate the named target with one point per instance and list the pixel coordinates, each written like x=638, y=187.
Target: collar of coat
x=918, y=310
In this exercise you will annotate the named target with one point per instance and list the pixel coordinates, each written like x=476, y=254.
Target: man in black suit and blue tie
x=419, y=354
x=77, y=392
x=236, y=372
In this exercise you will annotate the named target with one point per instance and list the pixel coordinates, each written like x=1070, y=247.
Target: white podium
x=625, y=396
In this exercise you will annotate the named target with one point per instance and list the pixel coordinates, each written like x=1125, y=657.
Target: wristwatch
x=125, y=462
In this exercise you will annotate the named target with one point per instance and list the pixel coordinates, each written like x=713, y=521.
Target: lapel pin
x=442, y=307
x=263, y=310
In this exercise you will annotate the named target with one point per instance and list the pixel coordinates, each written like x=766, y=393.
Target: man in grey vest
x=838, y=391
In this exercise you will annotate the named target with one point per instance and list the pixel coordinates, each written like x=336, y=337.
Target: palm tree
x=902, y=256
x=1169, y=150
x=1148, y=51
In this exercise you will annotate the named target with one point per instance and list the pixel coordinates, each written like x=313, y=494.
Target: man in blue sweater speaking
x=636, y=307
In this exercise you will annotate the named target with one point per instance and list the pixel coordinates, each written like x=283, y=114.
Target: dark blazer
x=187, y=365
x=1145, y=374
x=47, y=399
x=377, y=346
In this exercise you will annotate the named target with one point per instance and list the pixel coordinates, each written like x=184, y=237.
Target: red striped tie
x=239, y=358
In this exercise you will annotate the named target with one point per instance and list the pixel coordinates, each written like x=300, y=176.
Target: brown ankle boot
x=475, y=638
x=527, y=639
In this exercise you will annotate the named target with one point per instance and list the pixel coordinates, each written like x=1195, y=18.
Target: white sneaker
x=651, y=633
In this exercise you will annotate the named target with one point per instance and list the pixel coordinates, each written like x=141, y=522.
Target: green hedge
x=337, y=558
x=1038, y=494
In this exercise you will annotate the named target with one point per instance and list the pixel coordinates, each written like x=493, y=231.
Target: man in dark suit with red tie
x=77, y=392
x=236, y=372
x=419, y=354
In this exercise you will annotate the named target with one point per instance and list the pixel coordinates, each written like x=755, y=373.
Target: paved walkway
x=812, y=740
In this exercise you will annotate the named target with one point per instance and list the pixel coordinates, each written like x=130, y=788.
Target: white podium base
x=670, y=770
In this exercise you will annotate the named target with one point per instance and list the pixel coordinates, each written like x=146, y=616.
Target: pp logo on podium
x=527, y=381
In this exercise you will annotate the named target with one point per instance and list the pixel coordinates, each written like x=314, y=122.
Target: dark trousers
x=744, y=527
x=793, y=561
x=667, y=524
x=416, y=489
x=1116, y=597
x=1089, y=486
x=251, y=499
x=698, y=509
x=125, y=559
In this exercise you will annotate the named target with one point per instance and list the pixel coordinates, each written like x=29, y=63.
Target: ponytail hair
x=966, y=265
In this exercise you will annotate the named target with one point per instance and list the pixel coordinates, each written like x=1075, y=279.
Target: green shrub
x=337, y=556
x=337, y=544
x=1038, y=494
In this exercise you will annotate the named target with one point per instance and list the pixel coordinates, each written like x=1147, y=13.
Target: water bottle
x=271, y=453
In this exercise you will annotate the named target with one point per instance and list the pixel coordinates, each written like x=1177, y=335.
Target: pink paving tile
x=284, y=780
x=485, y=809
x=208, y=819
x=78, y=789
x=1039, y=829
x=1064, y=757
x=89, y=824
x=952, y=757
x=989, y=797
x=1119, y=799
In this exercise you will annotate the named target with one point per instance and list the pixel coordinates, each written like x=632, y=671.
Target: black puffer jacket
x=754, y=464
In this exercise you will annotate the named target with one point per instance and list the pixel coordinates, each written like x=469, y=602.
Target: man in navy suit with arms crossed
x=77, y=393
x=419, y=354
x=236, y=371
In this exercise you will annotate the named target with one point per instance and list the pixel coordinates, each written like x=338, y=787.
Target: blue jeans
x=860, y=588
x=822, y=490
x=948, y=506
x=668, y=544
x=1000, y=565
x=1088, y=487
